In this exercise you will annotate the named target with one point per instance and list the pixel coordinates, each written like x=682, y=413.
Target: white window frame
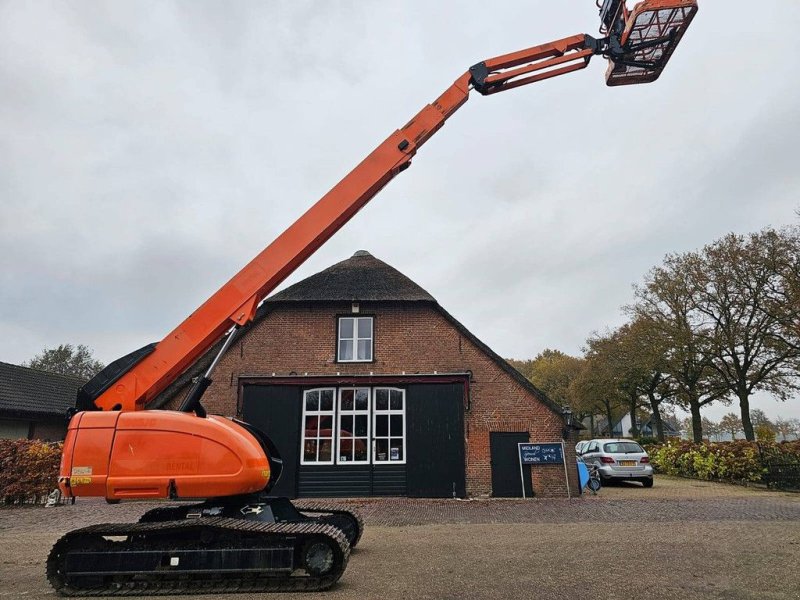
x=319, y=414
x=353, y=413
x=388, y=412
x=355, y=339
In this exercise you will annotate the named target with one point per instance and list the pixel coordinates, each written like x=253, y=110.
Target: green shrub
x=737, y=461
x=28, y=470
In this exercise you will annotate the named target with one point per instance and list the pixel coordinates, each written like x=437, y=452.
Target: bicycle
x=593, y=482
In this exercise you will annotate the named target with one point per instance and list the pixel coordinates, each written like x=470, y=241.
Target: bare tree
x=787, y=428
x=711, y=428
x=621, y=359
x=760, y=419
x=783, y=294
x=731, y=423
x=644, y=350
x=665, y=301
x=733, y=289
x=593, y=390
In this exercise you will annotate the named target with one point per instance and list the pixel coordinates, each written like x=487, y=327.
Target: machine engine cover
x=160, y=454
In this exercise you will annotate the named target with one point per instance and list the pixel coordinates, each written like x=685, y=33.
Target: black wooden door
x=276, y=410
x=506, y=482
x=435, y=440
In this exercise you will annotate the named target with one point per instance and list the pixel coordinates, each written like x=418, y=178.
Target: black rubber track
x=349, y=521
x=273, y=533
x=166, y=513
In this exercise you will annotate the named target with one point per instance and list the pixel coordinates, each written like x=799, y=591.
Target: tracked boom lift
x=239, y=538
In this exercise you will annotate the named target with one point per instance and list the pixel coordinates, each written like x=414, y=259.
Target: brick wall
x=411, y=338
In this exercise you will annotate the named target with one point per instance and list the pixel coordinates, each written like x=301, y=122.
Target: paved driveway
x=680, y=539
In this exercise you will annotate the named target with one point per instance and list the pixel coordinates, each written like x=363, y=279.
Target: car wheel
x=647, y=482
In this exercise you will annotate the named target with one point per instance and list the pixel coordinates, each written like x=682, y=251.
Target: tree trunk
x=747, y=425
x=654, y=404
x=609, y=417
x=591, y=425
x=697, y=422
x=634, y=400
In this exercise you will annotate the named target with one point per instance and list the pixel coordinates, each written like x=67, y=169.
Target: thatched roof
x=362, y=277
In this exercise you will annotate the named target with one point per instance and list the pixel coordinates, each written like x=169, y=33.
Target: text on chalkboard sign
x=541, y=454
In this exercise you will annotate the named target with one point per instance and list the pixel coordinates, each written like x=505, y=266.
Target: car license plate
x=627, y=463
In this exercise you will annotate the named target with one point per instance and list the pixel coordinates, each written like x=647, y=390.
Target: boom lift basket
x=651, y=33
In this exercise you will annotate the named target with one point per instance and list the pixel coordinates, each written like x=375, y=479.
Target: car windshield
x=622, y=448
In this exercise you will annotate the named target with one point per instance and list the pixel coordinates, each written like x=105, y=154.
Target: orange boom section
x=234, y=305
x=160, y=454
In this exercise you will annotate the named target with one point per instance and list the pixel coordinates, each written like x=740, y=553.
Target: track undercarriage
x=214, y=547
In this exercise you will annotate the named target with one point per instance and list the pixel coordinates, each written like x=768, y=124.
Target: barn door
x=435, y=429
x=275, y=410
x=506, y=481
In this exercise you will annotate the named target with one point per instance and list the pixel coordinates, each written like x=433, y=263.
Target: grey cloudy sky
x=149, y=149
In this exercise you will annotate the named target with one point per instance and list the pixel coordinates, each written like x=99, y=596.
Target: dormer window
x=354, y=342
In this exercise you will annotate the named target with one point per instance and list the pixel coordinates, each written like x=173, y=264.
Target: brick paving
x=625, y=502
x=670, y=500
x=699, y=543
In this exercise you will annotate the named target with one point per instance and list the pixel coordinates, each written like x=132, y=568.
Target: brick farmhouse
x=368, y=386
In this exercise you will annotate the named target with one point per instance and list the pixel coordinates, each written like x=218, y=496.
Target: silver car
x=580, y=446
x=619, y=459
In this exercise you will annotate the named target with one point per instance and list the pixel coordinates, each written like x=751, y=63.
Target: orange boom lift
x=239, y=538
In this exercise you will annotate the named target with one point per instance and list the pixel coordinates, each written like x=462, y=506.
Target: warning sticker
x=81, y=471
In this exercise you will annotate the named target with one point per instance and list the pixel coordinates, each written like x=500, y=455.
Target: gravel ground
x=680, y=539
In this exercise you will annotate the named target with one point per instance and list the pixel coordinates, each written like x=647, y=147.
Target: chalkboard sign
x=541, y=454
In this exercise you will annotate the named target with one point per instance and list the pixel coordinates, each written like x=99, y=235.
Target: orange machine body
x=160, y=454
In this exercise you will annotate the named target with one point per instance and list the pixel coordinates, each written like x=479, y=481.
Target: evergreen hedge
x=739, y=461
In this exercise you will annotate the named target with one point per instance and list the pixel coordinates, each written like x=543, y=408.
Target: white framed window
x=389, y=426
x=354, y=339
x=318, y=427
x=353, y=434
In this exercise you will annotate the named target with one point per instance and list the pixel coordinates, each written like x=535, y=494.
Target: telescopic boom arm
x=235, y=303
x=638, y=45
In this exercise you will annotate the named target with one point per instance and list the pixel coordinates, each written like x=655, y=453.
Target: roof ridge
x=362, y=277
